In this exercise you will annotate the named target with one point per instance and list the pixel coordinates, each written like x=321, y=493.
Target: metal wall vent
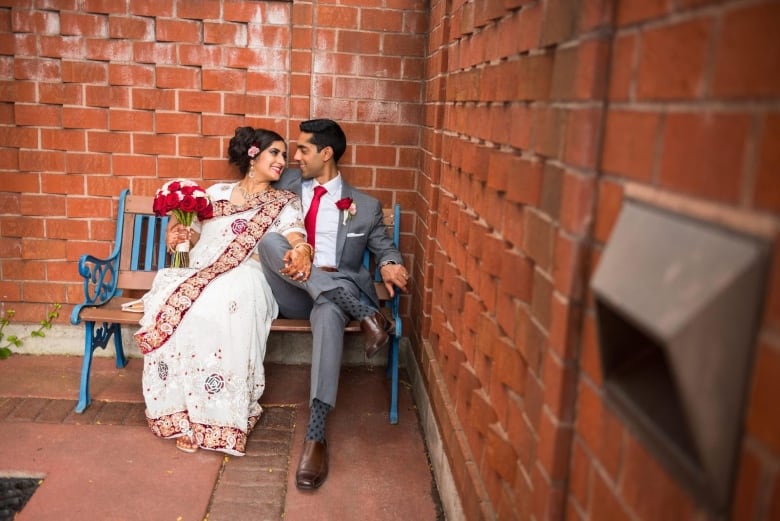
x=678, y=303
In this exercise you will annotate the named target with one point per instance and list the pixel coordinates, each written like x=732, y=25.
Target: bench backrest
x=139, y=251
x=143, y=249
x=142, y=242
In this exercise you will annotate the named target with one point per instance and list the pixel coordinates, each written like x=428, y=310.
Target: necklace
x=246, y=194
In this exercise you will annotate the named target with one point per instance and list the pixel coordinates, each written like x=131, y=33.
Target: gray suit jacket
x=363, y=230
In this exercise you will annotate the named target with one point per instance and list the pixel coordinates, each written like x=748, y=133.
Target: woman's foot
x=187, y=443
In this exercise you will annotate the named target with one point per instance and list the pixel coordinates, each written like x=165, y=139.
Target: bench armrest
x=100, y=281
x=101, y=275
x=394, y=305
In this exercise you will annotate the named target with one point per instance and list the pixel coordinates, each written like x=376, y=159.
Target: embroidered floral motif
x=214, y=383
x=239, y=226
x=214, y=437
x=162, y=370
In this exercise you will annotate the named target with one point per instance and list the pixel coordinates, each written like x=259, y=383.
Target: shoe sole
x=304, y=486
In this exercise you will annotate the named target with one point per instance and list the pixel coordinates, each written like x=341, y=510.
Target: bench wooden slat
x=140, y=280
x=112, y=312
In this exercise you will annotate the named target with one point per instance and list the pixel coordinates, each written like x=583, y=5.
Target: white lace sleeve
x=290, y=219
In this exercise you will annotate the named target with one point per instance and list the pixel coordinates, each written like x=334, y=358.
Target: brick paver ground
x=249, y=487
x=104, y=463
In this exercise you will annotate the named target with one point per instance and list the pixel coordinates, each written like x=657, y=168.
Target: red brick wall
x=509, y=130
x=539, y=116
x=511, y=156
x=692, y=93
x=98, y=96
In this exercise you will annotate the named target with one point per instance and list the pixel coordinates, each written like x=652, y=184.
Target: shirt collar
x=333, y=186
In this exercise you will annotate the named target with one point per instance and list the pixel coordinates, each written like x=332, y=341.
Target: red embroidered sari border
x=184, y=296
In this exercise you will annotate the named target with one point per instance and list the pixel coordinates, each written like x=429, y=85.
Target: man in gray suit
x=341, y=223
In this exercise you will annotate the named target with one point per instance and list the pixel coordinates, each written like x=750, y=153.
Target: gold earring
x=251, y=170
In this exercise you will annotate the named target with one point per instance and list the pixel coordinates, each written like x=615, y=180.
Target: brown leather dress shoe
x=313, y=467
x=374, y=329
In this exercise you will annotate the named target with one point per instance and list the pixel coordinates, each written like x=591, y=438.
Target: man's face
x=306, y=154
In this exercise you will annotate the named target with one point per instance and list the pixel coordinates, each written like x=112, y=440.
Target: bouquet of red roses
x=184, y=199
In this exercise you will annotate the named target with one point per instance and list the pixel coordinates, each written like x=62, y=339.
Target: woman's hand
x=177, y=234
x=297, y=264
x=298, y=260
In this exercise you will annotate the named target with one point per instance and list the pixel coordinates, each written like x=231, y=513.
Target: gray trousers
x=304, y=300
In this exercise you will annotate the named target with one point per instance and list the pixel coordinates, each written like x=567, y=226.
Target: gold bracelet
x=308, y=246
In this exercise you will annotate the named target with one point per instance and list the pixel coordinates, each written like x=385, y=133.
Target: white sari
x=204, y=328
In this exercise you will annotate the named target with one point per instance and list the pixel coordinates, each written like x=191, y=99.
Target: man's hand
x=394, y=275
x=297, y=264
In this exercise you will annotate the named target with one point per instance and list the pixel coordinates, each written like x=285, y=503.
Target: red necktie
x=310, y=221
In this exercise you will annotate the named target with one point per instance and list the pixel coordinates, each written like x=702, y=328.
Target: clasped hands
x=177, y=234
x=298, y=262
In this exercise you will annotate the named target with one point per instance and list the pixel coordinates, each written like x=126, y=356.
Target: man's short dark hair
x=326, y=133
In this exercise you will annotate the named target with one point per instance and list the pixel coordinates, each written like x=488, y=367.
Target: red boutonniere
x=347, y=207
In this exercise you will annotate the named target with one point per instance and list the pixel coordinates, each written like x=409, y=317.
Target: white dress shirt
x=328, y=219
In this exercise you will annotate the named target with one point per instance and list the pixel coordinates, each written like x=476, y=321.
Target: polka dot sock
x=351, y=305
x=316, y=429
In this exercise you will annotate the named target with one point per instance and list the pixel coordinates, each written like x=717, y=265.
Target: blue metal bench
x=139, y=251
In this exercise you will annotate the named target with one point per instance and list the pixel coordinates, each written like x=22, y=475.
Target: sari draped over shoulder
x=204, y=329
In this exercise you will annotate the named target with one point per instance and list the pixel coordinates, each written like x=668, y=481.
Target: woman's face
x=270, y=163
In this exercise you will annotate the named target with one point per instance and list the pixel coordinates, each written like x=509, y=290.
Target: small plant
x=15, y=341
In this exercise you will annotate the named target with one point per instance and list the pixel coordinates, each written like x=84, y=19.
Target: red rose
x=201, y=203
x=208, y=213
x=188, y=190
x=171, y=202
x=344, y=204
x=187, y=203
x=159, y=205
x=174, y=186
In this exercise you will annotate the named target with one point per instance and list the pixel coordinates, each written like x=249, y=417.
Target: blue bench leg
x=393, y=370
x=94, y=339
x=86, y=366
x=121, y=361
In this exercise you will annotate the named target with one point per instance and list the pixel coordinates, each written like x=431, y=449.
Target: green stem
x=14, y=340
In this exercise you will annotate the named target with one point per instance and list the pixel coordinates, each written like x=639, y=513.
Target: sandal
x=187, y=442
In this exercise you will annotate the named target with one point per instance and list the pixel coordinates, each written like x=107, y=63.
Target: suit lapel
x=297, y=187
x=341, y=236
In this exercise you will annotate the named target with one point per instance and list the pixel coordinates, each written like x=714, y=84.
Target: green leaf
x=14, y=340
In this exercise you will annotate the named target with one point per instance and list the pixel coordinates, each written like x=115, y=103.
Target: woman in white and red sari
x=204, y=328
